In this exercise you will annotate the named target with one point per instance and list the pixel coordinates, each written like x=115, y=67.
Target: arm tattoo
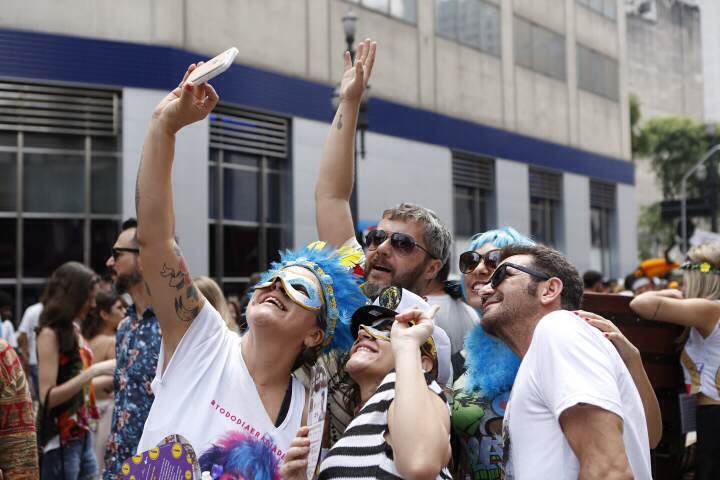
x=339, y=124
x=188, y=300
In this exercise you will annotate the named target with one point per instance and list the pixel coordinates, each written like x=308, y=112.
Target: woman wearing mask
x=65, y=373
x=99, y=328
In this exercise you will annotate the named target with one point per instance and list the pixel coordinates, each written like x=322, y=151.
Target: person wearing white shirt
x=7, y=329
x=26, y=337
x=574, y=411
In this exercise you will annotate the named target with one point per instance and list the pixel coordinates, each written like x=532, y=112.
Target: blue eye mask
x=301, y=290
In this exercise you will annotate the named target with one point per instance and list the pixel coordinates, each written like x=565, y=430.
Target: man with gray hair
x=410, y=244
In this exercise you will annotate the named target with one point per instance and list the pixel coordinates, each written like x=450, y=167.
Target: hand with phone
x=185, y=105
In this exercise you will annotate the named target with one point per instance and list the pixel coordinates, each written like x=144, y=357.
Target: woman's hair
x=92, y=324
x=211, y=291
x=697, y=283
x=67, y=292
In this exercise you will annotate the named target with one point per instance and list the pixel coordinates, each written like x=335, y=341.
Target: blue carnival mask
x=298, y=288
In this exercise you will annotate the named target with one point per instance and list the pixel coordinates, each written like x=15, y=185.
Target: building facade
x=490, y=112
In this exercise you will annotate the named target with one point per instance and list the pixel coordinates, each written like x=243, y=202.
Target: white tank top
x=700, y=360
x=207, y=395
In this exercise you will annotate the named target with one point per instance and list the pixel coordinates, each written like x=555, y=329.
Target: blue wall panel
x=92, y=61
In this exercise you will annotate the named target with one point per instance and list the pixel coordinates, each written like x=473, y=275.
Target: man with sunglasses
x=137, y=346
x=574, y=411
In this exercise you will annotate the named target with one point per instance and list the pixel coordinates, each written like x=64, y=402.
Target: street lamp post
x=349, y=22
x=683, y=194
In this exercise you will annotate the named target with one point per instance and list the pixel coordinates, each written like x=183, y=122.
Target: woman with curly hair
x=698, y=311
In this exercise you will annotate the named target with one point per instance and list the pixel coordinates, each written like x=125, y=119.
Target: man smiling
x=574, y=411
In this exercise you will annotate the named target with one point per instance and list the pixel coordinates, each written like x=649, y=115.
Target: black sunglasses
x=470, y=260
x=116, y=251
x=500, y=274
x=402, y=242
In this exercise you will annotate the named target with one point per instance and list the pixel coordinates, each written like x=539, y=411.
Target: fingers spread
x=370, y=60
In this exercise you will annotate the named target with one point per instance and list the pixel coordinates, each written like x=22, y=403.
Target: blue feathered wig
x=341, y=289
x=491, y=365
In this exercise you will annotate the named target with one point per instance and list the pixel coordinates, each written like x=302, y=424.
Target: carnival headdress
x=341, y=289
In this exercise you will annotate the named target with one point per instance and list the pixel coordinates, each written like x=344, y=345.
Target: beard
x=408, y=280
x=123, y=283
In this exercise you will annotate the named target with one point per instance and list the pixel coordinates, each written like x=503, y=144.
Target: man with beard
x=137, y=346
x=574, y=411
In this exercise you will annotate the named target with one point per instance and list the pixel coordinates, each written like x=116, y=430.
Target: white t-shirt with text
x=569, y=362
x=207, y=395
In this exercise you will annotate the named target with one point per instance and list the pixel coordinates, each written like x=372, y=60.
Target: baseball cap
x=394, y=300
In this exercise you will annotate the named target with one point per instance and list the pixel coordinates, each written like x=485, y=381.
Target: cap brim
x=367, y=315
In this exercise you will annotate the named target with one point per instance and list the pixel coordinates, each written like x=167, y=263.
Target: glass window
x=54, y=183
x=105, y=184
x=379, y=5
x=8, y=181
x=539, y=49
x=104, y=144
x=405, y=9
x=598, y=73
x=49, y=243
x=473, y=185
x=53, y=140
x=103, y=234
x=8, y=250
x=542, y=220
x=607, y=8
x=471, y=22
x=213, y=192
x=31, y=293
x=240, y=251
x=238, y=158
x=240, y=195
x=8, y=139
x=273, y=198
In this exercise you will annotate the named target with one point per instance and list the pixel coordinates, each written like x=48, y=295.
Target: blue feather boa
x=491, y=365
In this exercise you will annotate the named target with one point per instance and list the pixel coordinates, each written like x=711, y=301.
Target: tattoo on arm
x=188, y=299
x=339, y=124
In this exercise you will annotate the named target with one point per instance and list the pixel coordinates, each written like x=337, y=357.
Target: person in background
x=699, y=312
x=26, y=339
x=18, y=455
x=213, y=294
x=66, y=372
x=137, y=346
x=455, y=316
x=7, y=328
x=99, y=329
x=234, y=308
x=594, y=282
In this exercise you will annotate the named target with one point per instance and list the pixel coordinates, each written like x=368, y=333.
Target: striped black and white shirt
x=362, y=452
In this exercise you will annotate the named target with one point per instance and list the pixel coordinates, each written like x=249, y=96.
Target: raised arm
x=596, y=437
x=175, y=300
x=689, y=312
x=335, y=180
x=421, y=448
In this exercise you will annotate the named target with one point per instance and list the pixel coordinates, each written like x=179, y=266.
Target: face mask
x=301, y=290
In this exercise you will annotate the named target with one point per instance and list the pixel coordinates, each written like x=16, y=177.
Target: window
x=602, y=220
x=607, y=8
x=475, y=23
x=539, y=49
x=473, y=186
x=405, y=10
x=545, y=203
x=249, y=186
x=60, y=188
x=598, y=73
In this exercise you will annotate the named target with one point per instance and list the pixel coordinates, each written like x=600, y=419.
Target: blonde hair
x=697, y=283
x=211, y=290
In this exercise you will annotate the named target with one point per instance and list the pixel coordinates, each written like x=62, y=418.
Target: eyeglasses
x=402, y=242
x=380, y=330
x=500, y=274
x=470, y=260
x=116, y=251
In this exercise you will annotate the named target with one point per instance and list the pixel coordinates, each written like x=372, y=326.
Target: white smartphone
x=213, y=68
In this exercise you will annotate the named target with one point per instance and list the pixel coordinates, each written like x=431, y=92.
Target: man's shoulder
x=563, y=328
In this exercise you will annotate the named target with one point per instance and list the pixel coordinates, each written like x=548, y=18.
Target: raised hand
x=186, y=104
x=413, y=326
x=355, y=77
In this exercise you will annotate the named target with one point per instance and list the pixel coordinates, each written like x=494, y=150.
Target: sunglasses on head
x=470, y=260
x=298, y=288
x=500, y=274
x=402, y=242
x=116, y=251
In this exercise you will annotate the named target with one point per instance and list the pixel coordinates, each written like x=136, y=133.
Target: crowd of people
x=499, y=376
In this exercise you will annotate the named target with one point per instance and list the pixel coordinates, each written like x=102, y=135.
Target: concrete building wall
x=512, y=195
x=709, y=19
x=625, y=258
x=304, y=38
x=576, y=220
x=190, y=173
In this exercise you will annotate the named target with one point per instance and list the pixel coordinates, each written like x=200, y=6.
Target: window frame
x=532, y=64
x=455, y=36
x=388, y=13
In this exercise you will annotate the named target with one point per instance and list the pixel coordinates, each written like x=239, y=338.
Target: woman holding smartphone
x=234, y=398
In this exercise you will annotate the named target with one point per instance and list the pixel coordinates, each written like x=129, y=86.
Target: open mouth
x=275, y=302
x=381, y=268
